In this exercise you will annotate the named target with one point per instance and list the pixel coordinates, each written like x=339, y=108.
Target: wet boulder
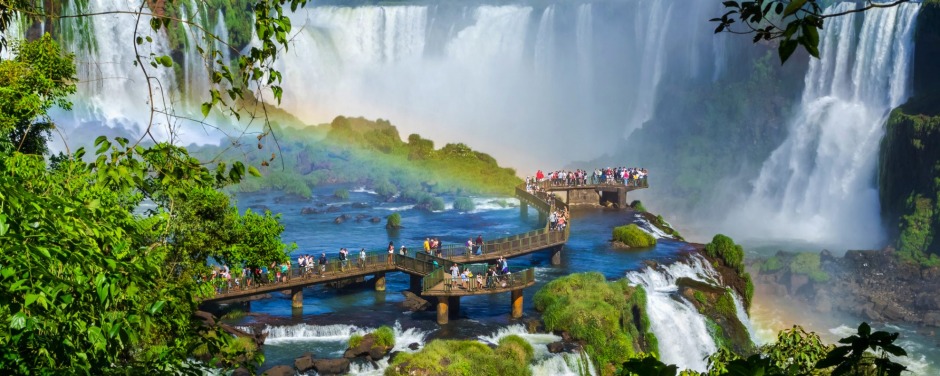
x=365, y=345
x=304, y=363
x=309, y=210
x=341, y=219
x=556, y=347
x=280, y=371
x=414, y=303
x=361, y=205
x=331, y=366
x=375, y=220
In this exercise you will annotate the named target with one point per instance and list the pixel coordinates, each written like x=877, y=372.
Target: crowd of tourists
x=632, y=176
x=496, y=275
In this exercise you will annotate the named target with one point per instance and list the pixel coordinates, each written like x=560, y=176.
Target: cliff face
x=909, y=166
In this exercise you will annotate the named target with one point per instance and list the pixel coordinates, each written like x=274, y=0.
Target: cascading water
x=819, y=185
x=545, y=363
x=684, y=338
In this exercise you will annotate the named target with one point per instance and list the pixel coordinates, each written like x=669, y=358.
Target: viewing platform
x=429, y=271
x=603, y=194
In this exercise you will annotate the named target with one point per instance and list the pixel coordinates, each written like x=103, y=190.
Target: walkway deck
x=422, y=265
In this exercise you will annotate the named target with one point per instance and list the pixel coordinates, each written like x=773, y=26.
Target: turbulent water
x=819, y=185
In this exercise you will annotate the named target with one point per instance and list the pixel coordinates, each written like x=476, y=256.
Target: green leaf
x=864, y=330
x=894, y=350
x=786, y=49
x=4, y=227
x=793, y=7
x=30, y=299
x=18, y=321
x=165, y=60
x=206, y=107
x=254, y=171
x=7, y=272
x=156, y=306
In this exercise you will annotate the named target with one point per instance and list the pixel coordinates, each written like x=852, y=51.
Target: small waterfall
x=819, y=185
x=682, y=332
x=306, y=332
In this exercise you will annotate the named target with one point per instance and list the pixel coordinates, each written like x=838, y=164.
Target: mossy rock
x=471, y=358
x=717, y=305
x=633, y=236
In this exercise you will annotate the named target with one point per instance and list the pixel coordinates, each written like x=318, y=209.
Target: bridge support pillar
x=443, y=315
x=380, y=281
x=516, y=303
x=556, y=255
x=297, y=297
x=523, y=209
x=415, y=284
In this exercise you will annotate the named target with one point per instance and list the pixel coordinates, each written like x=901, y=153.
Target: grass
x=633, y=236
x=384, y=337
x=807, y=263
x=341, y=194
x=638, y=206
x=355, y=340
x=466, y=358
x=724, y=248
x=394, y=221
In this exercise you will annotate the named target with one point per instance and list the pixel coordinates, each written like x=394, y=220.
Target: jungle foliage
x=103, y=254
x=511, y=356
x=633, y=236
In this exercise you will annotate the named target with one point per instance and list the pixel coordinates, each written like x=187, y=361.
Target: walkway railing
x=444, y=282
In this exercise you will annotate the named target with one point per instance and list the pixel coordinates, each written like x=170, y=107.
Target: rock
x=533, y=325
x=378, y=352
x=280, y=371
x=331, y=366
x=341, y=219
x=414, y=346
x=308, y=210
x=368, y=341
x=392, y=355
x=375, y=220
x=360, y=217
x=361, y=205
x=241, y=372
x=321, y=204
x=565, y=336
x=332, y=209
x=796, y=282
x=556, y=347
x=414, y=303
x=304, y=363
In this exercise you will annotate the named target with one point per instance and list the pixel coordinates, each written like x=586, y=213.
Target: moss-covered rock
x=470, y=358
x=633, y=236
x=909, y=164
x=717, y=305
x=610, y=317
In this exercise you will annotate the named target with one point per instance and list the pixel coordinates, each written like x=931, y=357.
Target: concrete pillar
x=516, y=303
x=556, y=255
x=523, y=209
x=379, y=281
x=622, y=195
x=454, y=307
x=415, y=285
x=442, y=305
x=297, y=297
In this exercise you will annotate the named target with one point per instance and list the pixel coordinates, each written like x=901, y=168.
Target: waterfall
x=545, y=43
x=683, y=335
x=819, y=185
x=545, y=363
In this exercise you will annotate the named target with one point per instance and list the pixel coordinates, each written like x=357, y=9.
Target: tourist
x=391, y=252
x=427, y=245
x=439, y=246
x=469, y=247
x=454, y=270
x=465, y=278
x=552, y=221
x=403, y=251
x=362, y=258
x=479, y=245
x=322, y=264
x=285, y=271
x=342, y=259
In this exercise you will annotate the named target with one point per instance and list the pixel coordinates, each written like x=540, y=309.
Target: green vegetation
x=807, y=263
x=90, y=282
x=609, y=316
x=464, y=204
x=393, y=221
x=700, y=297
x=466, y=358
x=638, y=206
x=384, y=337
x=633, y=236
x=356, y=150
x=723, y=247
x=661, y=223
x=341, y=194
x=918, y=230
x=725, y=305
x=355, y=340
x=771, y=265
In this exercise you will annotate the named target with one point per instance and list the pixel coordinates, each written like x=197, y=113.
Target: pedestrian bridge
x=429, y=272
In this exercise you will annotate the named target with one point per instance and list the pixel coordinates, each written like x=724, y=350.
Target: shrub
x=725, y=305
x=384, y=337
x=437, y=204
x=724, y=248
x=633, y=236
x=385, y=189
x=637, y=205
x=355, y=340
x=341, y=194
x=748, y=290
x=700, y=297
x=394, y=221
x=464, y=204
x=807, y=264
x=772, y=264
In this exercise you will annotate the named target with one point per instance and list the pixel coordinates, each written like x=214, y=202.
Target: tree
x=37, y=78
x=793, y=22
